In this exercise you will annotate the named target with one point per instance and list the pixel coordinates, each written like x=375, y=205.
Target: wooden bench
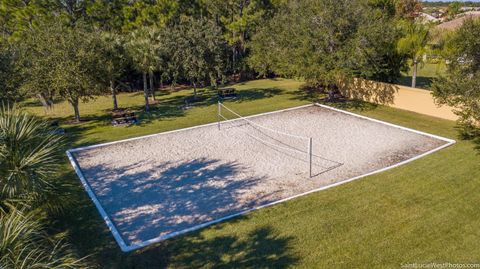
x=227, y=93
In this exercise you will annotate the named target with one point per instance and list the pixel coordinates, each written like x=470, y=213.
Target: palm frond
x=24, y=244
x=29, y=154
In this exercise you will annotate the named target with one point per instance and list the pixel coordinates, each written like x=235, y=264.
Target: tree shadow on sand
x=170, y=197
x=201, y=179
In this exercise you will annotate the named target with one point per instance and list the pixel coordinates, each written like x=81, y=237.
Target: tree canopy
x=10, y=80
x=64, y=62
x=200, y=51
x=414, y=43
x=460, y=87
x=325, y=41
x=143, y=46
x=408, y=9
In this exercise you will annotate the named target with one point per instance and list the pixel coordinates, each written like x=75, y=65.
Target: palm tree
x=29, y=156
x=25, y=244
x=143, y=48
x=29, y=160
x=114, y=50
x=414, y=44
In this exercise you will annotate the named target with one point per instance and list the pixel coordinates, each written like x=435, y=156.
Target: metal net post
x=219, y=111
x=310, y=154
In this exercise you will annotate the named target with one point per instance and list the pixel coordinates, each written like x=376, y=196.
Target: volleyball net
x=297, y=145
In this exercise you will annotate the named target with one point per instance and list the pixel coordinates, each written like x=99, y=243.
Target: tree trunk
x=47, y=104
x=331, y=93
x=42, y=100
x=114, y=94
x=145, y=90
x=414, y=75
x=194, y=90
x=74, y=103
x=152, y=87
x=233, y=57
x=161, y=83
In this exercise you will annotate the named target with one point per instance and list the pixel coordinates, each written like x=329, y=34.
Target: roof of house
x=458, y=22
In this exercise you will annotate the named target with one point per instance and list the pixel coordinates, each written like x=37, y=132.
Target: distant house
x=474, y=13
x=458, y=22
x=465, y=9
x=427, y=17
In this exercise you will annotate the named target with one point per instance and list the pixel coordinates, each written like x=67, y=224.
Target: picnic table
x=227, y=93
x=124, y=118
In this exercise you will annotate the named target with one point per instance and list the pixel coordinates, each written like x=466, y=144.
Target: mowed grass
x=425, y=211
x=425, y=75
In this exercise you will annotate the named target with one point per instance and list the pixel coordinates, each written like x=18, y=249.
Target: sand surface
x=158, y=185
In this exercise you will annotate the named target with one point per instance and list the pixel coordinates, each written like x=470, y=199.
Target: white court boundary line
x=126, y=248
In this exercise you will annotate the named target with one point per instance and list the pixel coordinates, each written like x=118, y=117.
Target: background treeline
x=76, y=50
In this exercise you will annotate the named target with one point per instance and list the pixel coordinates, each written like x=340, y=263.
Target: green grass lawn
x=425, y=211
x=425, y=74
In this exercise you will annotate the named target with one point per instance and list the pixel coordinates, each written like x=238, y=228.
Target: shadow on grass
x=162, y=92
x=32, y=102
x=242, y=83
x=75, y=132
x=422, y=82
x=476, y=142
x=83, y=223
x=346, y=104
x=35, y=102
x=353, y=93
x=309, y=94
x=205, y=97
x=255, y=94
x=175, y=106
x=160, y=112
x=260, y=248
x=469, y=133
